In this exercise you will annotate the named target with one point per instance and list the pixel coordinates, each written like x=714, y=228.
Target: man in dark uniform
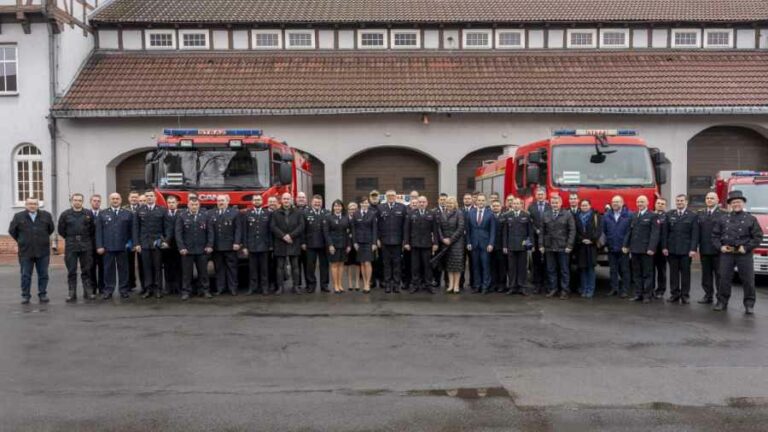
x=32, y=229
x=708, y=252
x=516, y=240
x=420, y=238
x=301, y=206
x=257, y=239
x=191, y=234
x=313, y=245
x=641, y=241
x=468, y=203
x=498, y=259
x=680, y=245
x=659, y=260
x=149, y=237
x=134, y=258
x=113, y=236
x=78, y=228
x=378, y=265
x=406, y=271
x=390, y=224
x=556, y=240
x=171, y=257
x=537, y=210
x=225, y=234
x=97, y=261
x=287, y=226
x=737, y=234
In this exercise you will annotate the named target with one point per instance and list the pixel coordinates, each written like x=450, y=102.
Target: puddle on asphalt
x=464, y=393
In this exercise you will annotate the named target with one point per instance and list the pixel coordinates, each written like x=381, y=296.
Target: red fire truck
x=754, y=186
x=596, y=164
x=237, y=162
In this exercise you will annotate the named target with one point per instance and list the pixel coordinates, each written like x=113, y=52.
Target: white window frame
x=572, y=31
x=705, y=40
x=467, y=32
x=148, y=36
x=206, y=34
x=392, y=34
x=3, y=62
x=28, y=159
x=675, y=32
x=311, y=34
x=384, y=39
x=279, y=34
x=614, y=30
x=499, y=45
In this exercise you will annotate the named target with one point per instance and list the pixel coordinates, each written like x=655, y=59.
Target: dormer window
x=161, y=39
x=477, y=39
x=372, y=39
x=300, y=39
x=405, y=39
x=194, y=39
x=267, y=39
x=718, y=38
x=686, y=38
x=510, y=39
x=578, y=38
x=614, y=38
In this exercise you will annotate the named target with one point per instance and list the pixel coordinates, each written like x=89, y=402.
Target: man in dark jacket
x=97, y=261
x=113, y=237
x=287, y=226
x=191, y=234
x=616, y=223
x=32, y=229
x=390, y=224
x=708, y=252
x=78, y=228
x=537, y=210
x=171, y=257
x=659, y=260
x=516, y=241
x=641, y=241
x=680, y=246
x=149, y=236
x=313, y=244
x=257, y=242
x=558, y=234
x=225, y=234
x=420, y=238
x=498, y=259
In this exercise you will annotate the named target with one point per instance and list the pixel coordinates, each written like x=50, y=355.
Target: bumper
x=761, y=264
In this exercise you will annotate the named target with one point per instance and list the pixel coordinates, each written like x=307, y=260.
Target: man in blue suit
x=114, y=229
x=481, y=234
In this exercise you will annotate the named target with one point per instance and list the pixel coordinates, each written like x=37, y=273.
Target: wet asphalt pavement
x=381, y=362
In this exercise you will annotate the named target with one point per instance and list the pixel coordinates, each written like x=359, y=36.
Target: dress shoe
x=279, y=291
x=44, y=299
x=146, y=295
x=324, y=289
x=185, y=297
x=430, y=289
x=685, y=300
x=123, y=296
x=106, y=296
x=250, y=292
x=674, y=299
x=310, y=290
x=158, y=294
x=636, y=299
x=623, y=295
x=551, y=293
x=233, y=293
x=720, y=306
x=748, y=310
x=71, y=299
x=705, y=300
x=387, y=290
x=396, y=289
x=91, y=297
x=486, y=291
x=564, y=296
x=658, y=296
x=265, y=291
x=413, y=290
x=646, y=300
x=612, y=293
x=207, y=294
x=25, y=300
x=297, y=291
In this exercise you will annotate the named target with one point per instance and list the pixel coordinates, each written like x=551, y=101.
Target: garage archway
x=466, y=168
x=385, y=168
x=129, y=173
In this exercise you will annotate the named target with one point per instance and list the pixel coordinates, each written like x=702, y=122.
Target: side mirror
x=285, y=174
x=532, y=174
x=150, y=166
x=661, y=174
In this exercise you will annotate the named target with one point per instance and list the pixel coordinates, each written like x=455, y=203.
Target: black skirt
x=365, y=253
x=339, y=255
x=351, y=258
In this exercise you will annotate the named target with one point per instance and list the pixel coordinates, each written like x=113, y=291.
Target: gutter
x=216, y=112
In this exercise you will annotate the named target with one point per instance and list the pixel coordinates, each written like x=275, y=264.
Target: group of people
x=482, y=241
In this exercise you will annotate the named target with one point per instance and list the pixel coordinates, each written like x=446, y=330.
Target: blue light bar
x=748, y=173
x=212, y=132
x=244, y=132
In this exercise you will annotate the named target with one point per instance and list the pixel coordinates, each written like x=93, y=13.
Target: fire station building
x=411, y=94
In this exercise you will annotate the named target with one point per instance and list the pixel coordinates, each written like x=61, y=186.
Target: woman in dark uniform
x=451, y=231
x=351, y=265
x=364, y=232
x=588, y=231
x=338, y=243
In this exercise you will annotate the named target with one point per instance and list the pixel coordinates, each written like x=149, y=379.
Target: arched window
x=28, y=173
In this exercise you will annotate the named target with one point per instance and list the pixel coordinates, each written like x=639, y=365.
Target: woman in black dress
x=351, y=265
x=588, y=231
x=451, y=231
x=338, y=243
x=364, y=231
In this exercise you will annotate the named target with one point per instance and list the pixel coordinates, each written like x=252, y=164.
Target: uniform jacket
x=149, y=227
x=616, y=231
x=643, y=234
x=290, y=222
x=114, y=230
x=33, y=238
x=365, y=228
x=707, y=223
x=391, y=223
x=315, y=228
x=661, y=219
x=517, y=231
x=257, y=235
x=498, y=241
x=191, y=232
x=483, y=234
x=78, y=228
x=224, y=230
x=170, y=227
x=682, y=232
x=557, y=233
x=338, y=230
x=737, y=229
x=586, y=255
x=420, y=230
x=537, y=217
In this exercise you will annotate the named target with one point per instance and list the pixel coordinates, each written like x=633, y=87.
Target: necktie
x=421, y=212
x=541, y=208
x=554, y=215
x=221, y=212
x=363, y=213
x=479, y=216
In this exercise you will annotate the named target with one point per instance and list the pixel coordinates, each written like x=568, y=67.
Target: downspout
x=52, y=87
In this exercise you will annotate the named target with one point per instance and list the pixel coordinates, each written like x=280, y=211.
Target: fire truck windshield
x=213, y=168
x=757, y=197
x=602, y=167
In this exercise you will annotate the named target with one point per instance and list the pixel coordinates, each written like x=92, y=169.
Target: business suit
x=537, y=210
x=191, y=234
x=642, y=236
x=287, y=221
x=258, y=240
x=149, y=232
x=557, y=237
x=390, y=224
x=481, y=233
x=315, y=248
x=225, y=231
x=171, y=257
x=682, y=238
x=420, y=235
x=709, y=253
x=516, y=238
x=113, y=234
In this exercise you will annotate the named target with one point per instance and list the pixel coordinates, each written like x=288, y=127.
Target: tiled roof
x=351, y=82
x=428, y=11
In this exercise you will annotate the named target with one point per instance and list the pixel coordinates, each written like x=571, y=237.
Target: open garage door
x=465, y=170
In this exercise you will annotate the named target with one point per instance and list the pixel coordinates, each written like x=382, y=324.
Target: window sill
x=9, y=94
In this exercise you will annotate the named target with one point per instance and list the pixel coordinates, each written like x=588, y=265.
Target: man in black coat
x=257, y=240
x=287, y=226
x=78, y=228
x=516, y=241
x=641, y=241
x=113, y=236
x=556, y=240
x=97, y=263
x=708, y=252
x=679, y=246
x=468, y=203
x=420, y=237
x=191, y=234
x=390, y=224
x=537, y=210
x=225, y=234
x=659, y=260
x=171, y=257
x=314, y=245
x=149, y=241
x=32, y=229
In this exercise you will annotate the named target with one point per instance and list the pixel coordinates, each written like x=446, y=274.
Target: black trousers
x=200, y=263
x=421, y=269
x=313, y=256
x=71, y=259
x=745, y=265
x=517, y=269
x=225, y=264
x=378, y=267
x=302, y=265
x=679, y=275
x=282, y=262
x=406, y=271
x=392, y=257
x=272, y=272
x=467, y=270
x=171, y=266
x=660, y=268
x=133, y=259
x=152, y=262
x=538, y=270
x=116, y=268
x=642, y=274
x=710, y=272
x=97, y=271
x=498, y=270
x=258, y=272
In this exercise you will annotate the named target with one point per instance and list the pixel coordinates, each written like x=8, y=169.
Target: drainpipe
x=52, y=87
